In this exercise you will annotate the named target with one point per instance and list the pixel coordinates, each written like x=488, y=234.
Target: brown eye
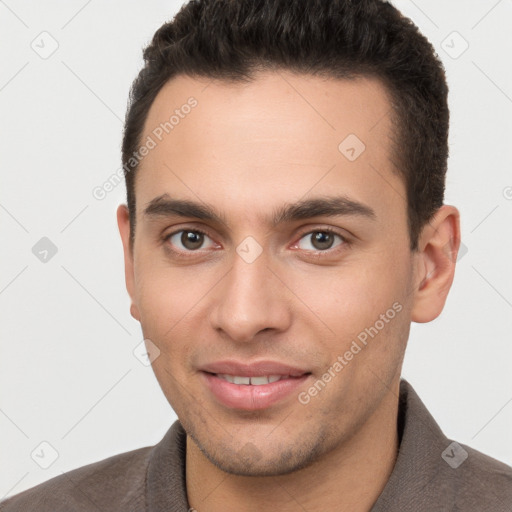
x=320, y=240
x=188, y=240
x=191, y=240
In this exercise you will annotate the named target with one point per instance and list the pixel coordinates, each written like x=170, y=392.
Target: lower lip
x=249, y=397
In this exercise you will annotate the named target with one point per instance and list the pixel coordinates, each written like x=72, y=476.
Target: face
x=285, y=256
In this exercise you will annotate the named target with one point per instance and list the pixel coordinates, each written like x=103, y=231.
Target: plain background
x=68, y=374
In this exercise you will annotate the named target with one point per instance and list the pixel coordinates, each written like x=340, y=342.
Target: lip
x=250, y=397
x=256, y=369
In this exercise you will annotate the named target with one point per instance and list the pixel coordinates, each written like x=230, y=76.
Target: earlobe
x=435, y=267
x=134, y=311
x=123, y=222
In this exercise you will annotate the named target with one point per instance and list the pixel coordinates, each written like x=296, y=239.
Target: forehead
x=251, y=146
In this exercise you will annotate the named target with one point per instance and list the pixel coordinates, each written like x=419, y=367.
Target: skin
x=247, y=149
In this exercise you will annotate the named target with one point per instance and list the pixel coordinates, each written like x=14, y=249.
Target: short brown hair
x=232, y=39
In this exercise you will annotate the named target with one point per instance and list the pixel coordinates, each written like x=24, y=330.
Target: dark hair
x=232, y=39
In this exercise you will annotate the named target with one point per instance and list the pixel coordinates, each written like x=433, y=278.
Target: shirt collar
x=420, y=477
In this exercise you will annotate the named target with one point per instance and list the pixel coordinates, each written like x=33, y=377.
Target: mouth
x=254, y=386
x=251, y=381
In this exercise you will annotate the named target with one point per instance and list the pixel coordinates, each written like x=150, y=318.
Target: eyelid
x=167, y=237
x=322, y=229
x=345, y=239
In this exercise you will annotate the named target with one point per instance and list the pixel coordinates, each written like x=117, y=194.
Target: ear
x=438, y=246
x=123, y=222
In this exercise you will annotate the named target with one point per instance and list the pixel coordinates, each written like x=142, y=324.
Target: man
x=285, y=166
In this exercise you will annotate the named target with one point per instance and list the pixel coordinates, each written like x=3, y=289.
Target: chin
x=259, y=462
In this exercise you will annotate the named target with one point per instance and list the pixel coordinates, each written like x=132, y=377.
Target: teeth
x=241, y=380
x=254, y=381
x=258, y=381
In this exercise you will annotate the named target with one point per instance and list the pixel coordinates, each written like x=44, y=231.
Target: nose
x=251, y=299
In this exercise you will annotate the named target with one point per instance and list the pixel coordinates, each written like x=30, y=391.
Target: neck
x=348, y=478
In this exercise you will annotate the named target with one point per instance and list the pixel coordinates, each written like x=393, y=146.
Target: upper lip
x=255, y=369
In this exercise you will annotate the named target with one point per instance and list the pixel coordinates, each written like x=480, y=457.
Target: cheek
x=166, y=294
x=171, y=303
x=347, y=302
x=351, y=296
x=166, y=302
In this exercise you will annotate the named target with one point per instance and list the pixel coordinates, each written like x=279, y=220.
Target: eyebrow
x=330, y=206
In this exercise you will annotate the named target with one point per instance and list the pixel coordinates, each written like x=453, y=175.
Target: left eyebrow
x=331, y=206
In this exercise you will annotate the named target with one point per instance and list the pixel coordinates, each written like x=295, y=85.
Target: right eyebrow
x=165, y=206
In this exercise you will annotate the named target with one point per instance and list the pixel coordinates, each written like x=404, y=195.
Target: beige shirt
x=431, y=474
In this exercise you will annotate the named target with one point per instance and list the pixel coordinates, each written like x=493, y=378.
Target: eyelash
x=315, y=254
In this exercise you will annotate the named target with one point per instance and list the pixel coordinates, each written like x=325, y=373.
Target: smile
x=252, y=381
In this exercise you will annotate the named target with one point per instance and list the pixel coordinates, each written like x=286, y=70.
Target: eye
x=320, y=240
x=190, y=239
